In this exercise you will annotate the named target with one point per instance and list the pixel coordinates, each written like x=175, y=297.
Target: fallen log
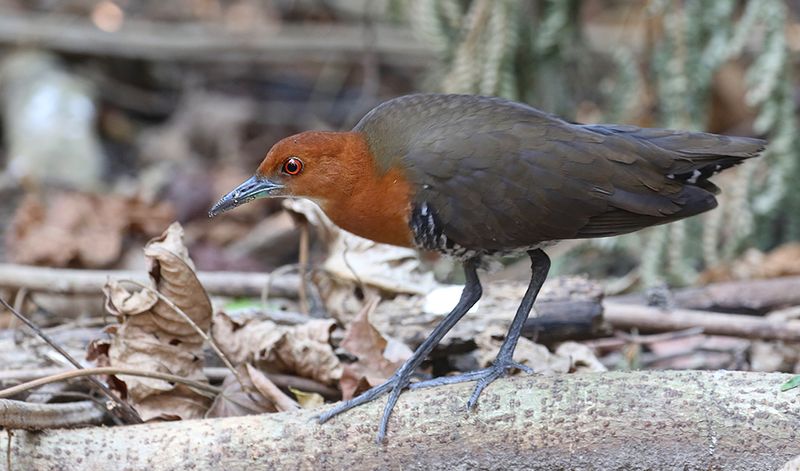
x=651, y=319
x=622, y=420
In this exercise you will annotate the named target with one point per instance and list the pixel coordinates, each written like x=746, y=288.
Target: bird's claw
x=394, y=385
x=484, y=377
x=499, y=368
x=401, y=380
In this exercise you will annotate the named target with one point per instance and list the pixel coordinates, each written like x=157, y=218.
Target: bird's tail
x=703, y=155
x=693, y=156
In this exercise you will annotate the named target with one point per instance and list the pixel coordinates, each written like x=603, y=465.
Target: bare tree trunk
x=622, y=420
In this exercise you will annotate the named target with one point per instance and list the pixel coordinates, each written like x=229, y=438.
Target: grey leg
x=540, y=265
x=401, y=378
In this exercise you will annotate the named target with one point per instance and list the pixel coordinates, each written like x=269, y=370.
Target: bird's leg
x=540, y=265
x=401, y=378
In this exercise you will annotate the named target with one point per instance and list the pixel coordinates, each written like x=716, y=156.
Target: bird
x=474, y=177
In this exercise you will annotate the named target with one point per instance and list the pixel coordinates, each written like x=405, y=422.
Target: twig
x=625, y=316
x=107, y=370
x=267, y=285
x=123, y=410
x=19, y=299
x=284, y=381
x=72, y=281
x=29, y=416
x=623, y=338
x=196, y=327
x=751, y=296
x=303, y=266
x=172, y=41
x=212, y=373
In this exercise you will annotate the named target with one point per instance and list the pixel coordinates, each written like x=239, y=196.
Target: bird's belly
x=430, y=234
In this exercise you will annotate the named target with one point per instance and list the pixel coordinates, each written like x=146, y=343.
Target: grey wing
x=505, y=186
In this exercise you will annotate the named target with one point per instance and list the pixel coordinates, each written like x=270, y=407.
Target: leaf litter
x=153, y=337
x=83, y=229
x=303, y=350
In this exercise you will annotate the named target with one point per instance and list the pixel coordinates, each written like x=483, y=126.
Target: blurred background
x=121, y=116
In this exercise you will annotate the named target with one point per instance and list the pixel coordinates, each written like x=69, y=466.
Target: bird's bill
x=255, y=187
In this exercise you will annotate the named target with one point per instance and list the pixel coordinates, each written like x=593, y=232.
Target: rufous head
x=315, y=165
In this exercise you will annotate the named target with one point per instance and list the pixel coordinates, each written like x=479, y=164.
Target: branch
x=71, y=281
x=122, y=410
x=31, y=416
x=216, y=374
x=750, y=296
x=651, y=319
x=141, y=39
x=106, y=370
x=622, y=420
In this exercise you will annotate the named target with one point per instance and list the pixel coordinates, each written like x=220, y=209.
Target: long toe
x=363, y=398
x=498, y=369
x=519, y=366
x=442, y=380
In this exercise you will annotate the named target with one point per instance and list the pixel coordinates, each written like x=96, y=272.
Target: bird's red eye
x=292, y=166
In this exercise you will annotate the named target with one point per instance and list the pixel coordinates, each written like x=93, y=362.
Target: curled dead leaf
x=255, y=394
x=120, y=302
x=581, y=357
x=153, y=337
x=270, y=391
x=378, y=357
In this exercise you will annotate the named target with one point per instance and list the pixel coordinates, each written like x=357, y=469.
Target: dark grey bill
x=255, y=187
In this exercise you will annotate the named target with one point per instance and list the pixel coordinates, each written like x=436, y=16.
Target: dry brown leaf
x=270, y=391
x=378, y=358
x=303, y=350
x=179, y=403
x=259, y=395
x=235, y=401
x=153, y=337
x=78, y=228
x=355, y=381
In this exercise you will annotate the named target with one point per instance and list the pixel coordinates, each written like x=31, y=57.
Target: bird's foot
x=401, y=380
x=394, y=386
x=484, y=377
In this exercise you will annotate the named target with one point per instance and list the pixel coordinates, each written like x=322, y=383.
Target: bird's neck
x=374, y=205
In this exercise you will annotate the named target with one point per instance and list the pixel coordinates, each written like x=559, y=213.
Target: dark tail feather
x=694, y=165
x=696, y=155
